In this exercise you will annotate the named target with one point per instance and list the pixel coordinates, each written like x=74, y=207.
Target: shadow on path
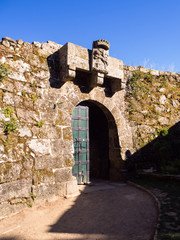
x=116, y=211
x=103, y=211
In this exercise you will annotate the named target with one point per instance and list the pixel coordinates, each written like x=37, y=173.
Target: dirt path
x=103, y=211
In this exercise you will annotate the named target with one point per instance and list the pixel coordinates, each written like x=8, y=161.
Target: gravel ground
x=102, y=211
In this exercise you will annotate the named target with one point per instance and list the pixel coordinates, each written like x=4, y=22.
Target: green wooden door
x=80, y=129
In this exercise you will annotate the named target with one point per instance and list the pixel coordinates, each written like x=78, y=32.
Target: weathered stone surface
x=162, y=99
x=27, y=162
x=41, y=74
x=25, y=132
x=10, y=171
x=7, y=209
x=20, y=42
x=63, y=175
x=18, y=76
x=39, y=146
x=57, y=147
x=50, y=132
x=146, y=129
x=9, y=39
x=163, y=120
x=20, y=188
x=54, y=45
x=44, y=162
x=2, y=116
x=19, y=65
x=72, y=187
x=46, y=176
x=61, y=189
x=2, y=60
x=175, y=103
x=7, y=86
x=44, y=191
x=37, y=44
x=27, y=115
x=8, y=98
x=5, y=43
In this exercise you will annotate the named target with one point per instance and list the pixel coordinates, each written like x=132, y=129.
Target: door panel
x=80, y=128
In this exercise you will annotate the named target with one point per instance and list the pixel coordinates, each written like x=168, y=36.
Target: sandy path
x=104, y=211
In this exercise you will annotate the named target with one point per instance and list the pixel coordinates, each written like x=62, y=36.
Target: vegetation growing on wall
x=10, y=125
x=4, y=71
x=153, y=107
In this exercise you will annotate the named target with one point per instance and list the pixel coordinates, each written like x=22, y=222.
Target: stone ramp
x=102, y=211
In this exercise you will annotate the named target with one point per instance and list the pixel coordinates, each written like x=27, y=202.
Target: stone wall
x=153, y=109
x=36, y=145
x=35, y=132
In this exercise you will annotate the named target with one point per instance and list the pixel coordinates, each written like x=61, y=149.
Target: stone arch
x=115, y=162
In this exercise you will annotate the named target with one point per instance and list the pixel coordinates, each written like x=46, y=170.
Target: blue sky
x=141, y=32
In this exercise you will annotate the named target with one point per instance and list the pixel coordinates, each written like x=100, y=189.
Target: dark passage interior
x=99, y=143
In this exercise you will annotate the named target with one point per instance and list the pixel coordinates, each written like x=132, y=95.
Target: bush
x=10, y=126
x=164, y=132
x=3, y=71
x=40, y=123
x=8, y=111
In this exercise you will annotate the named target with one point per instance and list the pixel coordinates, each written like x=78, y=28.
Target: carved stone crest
x=100, y=54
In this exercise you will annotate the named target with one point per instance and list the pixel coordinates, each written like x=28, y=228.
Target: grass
x=168, y=194
x=8, y=111
x=40, y=124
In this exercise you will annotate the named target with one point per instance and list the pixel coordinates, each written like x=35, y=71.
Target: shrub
x=3, y=71
x=164, y=132
x=8, y=111
x=40, y=123
x=34, y=97
x=10, y=126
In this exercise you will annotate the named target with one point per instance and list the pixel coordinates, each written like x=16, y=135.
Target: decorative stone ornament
x=95, y=65
x=99, y=64
x=101, y=43
x=100, y=54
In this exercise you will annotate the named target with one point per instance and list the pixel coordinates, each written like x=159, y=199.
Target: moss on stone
x=34, y=69
x=43, y=59
x=69, y=162
x=47, y=172
x=143, y=98
x=67, y=133
x=8, y=167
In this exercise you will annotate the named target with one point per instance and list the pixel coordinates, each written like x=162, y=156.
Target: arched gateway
x=95, y=139
x=93, y=84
